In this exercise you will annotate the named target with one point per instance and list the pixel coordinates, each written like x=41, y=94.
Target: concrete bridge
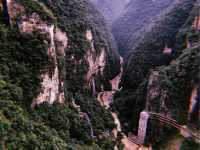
x=143, y=122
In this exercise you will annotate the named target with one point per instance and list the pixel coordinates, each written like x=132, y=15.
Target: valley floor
x=105, y=98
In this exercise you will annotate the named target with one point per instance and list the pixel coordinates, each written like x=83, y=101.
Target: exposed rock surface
x=54, y=53
x=160, y=71
x=53, y=76
x=52, y=84
x=96, y=63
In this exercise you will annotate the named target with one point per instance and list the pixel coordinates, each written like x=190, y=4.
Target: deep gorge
x=76, y=74
x=151, y=36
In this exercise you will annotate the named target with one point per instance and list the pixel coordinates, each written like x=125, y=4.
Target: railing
x=165, y=120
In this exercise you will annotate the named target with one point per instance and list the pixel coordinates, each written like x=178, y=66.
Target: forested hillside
x=48, y=53
x=64, y=85
x=136, y=20
x=161, y=72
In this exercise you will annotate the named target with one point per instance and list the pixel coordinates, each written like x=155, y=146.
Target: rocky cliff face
x=171, y=43
x=95, y=61
x=59, y=53
x=59, y=58
x=52, y=82
x=159, y=90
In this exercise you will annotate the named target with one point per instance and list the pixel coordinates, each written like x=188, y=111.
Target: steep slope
x=153, y=50
x=58, y=53
x=94, y=54
x=165, y=89
x=131, y=26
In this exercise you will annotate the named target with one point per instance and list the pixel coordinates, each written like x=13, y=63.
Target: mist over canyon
x=100, y=74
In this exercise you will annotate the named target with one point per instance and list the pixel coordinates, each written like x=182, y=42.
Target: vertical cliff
x=55, y=54
x=161, y=71
x=96, y=44
x=84, y=64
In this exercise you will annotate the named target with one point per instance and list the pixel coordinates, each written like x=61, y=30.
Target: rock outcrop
x=160, y=72
x=55, y=74
x=55, y=54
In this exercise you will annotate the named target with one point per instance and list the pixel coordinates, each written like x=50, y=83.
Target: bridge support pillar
x=142, y=129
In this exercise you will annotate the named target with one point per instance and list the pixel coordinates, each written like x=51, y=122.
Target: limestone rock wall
x=64, y=64
x=52, y=82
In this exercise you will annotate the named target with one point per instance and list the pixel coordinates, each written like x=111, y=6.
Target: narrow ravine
x=84, y=116
x=106, y=98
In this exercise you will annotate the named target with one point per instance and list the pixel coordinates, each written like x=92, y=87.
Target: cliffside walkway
x=143, y=122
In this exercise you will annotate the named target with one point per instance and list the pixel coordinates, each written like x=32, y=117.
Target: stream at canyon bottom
x=105, y=98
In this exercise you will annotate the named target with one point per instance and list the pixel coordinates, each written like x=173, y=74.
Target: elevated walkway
x=143, y=122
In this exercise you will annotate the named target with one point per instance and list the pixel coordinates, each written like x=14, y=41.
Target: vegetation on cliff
x=24, y=55
x=32, y=6
x=177, y=71
x=78, y=17
x=136, y=20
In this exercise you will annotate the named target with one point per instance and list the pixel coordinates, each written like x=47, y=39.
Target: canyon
x=120, y=75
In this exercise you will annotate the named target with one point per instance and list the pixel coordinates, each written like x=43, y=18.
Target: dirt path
x=106, y=98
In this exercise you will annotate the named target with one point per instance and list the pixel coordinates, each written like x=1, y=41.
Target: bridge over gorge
x=143, y=122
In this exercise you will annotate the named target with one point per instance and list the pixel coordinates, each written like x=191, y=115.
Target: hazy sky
x=111, y=9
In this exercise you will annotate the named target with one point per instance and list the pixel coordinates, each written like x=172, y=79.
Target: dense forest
x=160, y=71
x=23, y=56
x=76, y=74
x=132, y=25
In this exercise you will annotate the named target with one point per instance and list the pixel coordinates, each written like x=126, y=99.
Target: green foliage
x=190, y=145
x=101, y=119
x=150, y=49
x=75, y=17
x=17, y=130
x=18, y=66
x=45, y=127
x=32, y=6
x=176, y=79
x=1, y=15
x=125, y=101
x=22, y=130
x=65, y=121
x=132, y=24
x=22, y=57
x=175, y=74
